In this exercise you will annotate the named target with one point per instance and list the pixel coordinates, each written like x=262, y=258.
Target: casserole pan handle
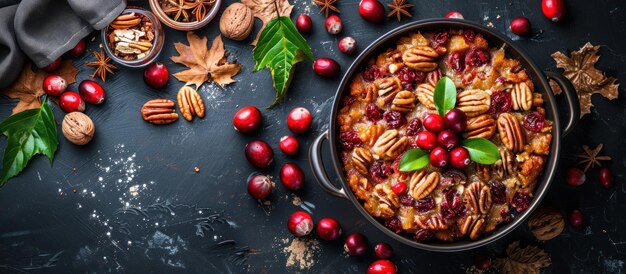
x=572, y=99
x=315, y=158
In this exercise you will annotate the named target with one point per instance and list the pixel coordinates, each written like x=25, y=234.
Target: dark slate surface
x=182, y=221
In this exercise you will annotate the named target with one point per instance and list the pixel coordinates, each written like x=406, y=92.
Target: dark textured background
x=80, y=215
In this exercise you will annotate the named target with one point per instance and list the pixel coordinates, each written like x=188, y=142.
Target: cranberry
x=439, y=157
x=355, y=244
x=456, y=120
x=506, y=216
x=414, y=127
x=379, y=171
x=426, y=140
x=259, y=153
x=605, y=177
x=53, y=66
x=407, y=78
x=156, y=75
x=553, y=9
x=333, y=24
x=394, y=225
x=289, y=145
x=304, y=23
x=247, y=119
x=447, y=139
x=373, y=112
x=326, y=67
x=371, y=73
x=440, y=38
x=498, y=192
x=455, y=61
x=399, y=188
x=350, y=139
x=328, y=229
x=372, y=11
x=347, y=45
x=534, y=121
x=383, y=250
x=576, y=218
x=434, y=76
x=396, y=165
x=394, y=119
x=459, y=158
x=291, y=176
x=520, y=201
x=520, y=26
x=78, y=49
x=91, y=92
x=260, y=186
x=434, y=123
x=482, y=262
x=574, y=176
x=500, y=102
x=299, y=120
x=300, y=224
x=54, y=85
x=476, y=57
x=423, y=235
x=451, y=177
x=452, y=205
x=469, y=35
x=424, y=204
x=70, y=101
x=406, y=200
x=382, y=267
x=454, y=14
x=348, y=100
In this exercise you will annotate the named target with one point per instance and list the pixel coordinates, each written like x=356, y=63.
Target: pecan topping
x=506, y=166
x=433, y=223
x=483, y=126
x=384, y=202
x=159, y=111
x=126, y=21
x=473, y=102
x=370, y=92
x=472, y=225
x=190, y=103
x=395, y=67
x=420, y=58
x=389, y=145
x=387, y=89
x=403, y=102
x=425, y=93
x=421, y=185
x=522, y=96
x=546, y=223
x=478, y=198
x=510, y=132
x=360, y=186
x=371, y=134
x=361, y=160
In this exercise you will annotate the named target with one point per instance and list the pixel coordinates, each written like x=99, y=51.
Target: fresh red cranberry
x=54, y=85
x=156, y=75
x=291, y=176
x=574, y=176
x=333, y=24
x=260, y=186
x=379, y=171
x=382, y=267
x=498, y=192
x=439, y=157
x=605, y=177
x=456, y=120
x=300, y=224
x=454, y=14
x=455, y=61
x=78, y=49
x=440, y=38
x=423, y=235
x=91, y=92
x=394, y=119
x=520, y=201
x=424, y=204
x=247, y=119
x=406, y=200
x=373, y=112
x=553, y=9
x=520, y=26
x=394, y=225
x=355, y=244
x=476, y=57
x=289, y=145
x=328, y=229
x=414, y=127
x=371, y=73
x=452, y=205
x=304, y=23
x=500, y=102
x=53, y=66
x=70, y=101
x=482, y=262
x=452, y=177
x=534, y=121
x=426, y=140
x=350, y=139
x=383, y=250
x=299, y=120
x=447, y=139
x=372, y=11
x=399, y=188
x=259, y=153
x=576, y=218
x=469, y=35
x=326, y=67
x=347, y=45
x=434, y=123
x=459, y=158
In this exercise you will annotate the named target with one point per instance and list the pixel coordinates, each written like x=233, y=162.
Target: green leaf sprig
x=444, y=95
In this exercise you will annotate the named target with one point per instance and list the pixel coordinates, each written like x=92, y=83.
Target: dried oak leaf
x=587, y=79
x=29, y=86
x=204, y=64
x=266, y=11
x=529, y=260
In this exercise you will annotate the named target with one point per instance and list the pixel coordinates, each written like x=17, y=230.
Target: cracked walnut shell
x=78, y=128
x=425, y=93
x=421, y=185
x=510, y=132
x=473, y=102
x=237, y=22
x=389, y=145
x=522, y=97
x=420, y=58
x=190, y=103
x=159, y=111
x=403, y=102
x=361, y=160
x=483, y=126
x=546, y=223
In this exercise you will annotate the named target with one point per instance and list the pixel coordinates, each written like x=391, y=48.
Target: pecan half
x=510, y=132
x=384, y=202
x=421, y=184
x=473, y=225
x=403, y=102
x=389, y=145
x=420, y=58
x=159, y=111
x=478, y=198
x=432, y=223
x=361, y=160
x=546, y=223
x=473, y=102
x=126, y=21
x=387, y=89
x=360, y=186
x=190, y=103
x=505, y=166
x=483, y=126
x=522, y=96
x=371, y=134
x=425, y=93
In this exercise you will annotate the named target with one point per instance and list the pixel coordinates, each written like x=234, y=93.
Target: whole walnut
x=546, y=223
x=237, y=22
x=78, y=128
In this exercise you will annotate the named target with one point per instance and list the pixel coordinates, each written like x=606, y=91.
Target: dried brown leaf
x=529, y=260
x=266, y=11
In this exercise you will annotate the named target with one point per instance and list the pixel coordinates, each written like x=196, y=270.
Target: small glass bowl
x=186, y=26
x=157, y=43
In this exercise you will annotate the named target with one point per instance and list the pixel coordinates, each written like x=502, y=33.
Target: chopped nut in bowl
x=185, y=14
x=133, y=39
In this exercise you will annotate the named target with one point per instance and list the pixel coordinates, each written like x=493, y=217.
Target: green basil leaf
x=481, y=150
x=445, y=95
x=414, y=159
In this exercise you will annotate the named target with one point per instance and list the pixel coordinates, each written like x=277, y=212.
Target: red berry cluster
x=441, y=139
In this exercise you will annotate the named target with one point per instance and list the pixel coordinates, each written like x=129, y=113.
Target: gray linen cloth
x=42, y=30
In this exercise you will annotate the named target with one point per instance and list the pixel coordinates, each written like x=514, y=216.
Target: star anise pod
x=399, y=8
x=591, y=158
x=326, y=6
x=102, y=64
x=179, y=7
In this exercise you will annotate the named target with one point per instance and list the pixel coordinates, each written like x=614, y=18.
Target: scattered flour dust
x=300, y=252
